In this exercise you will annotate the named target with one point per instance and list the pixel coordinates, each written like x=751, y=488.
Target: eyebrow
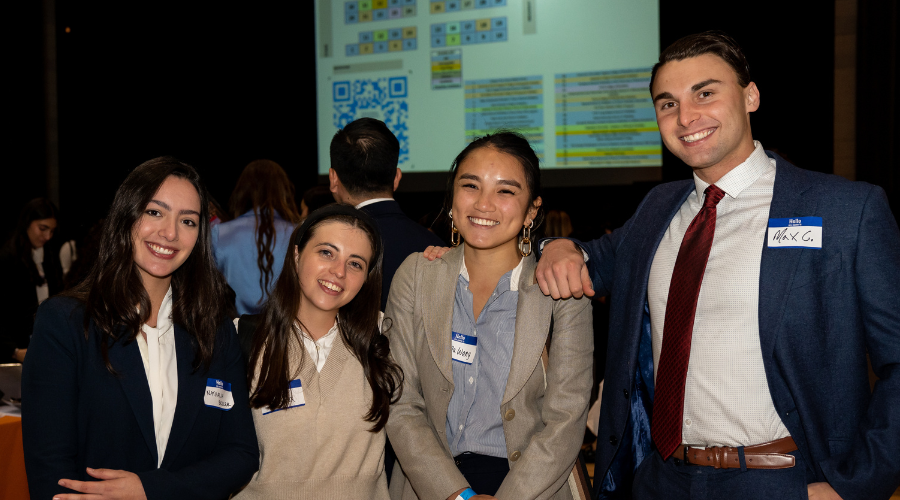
x=332, y=245
x=504, y=182
x=694, y=88
x=182, y=212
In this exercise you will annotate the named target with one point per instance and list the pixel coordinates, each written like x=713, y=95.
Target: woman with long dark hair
x=321, y=376
x=250, y=249
x=31, y=273
x=134, y=385
x=481, y=416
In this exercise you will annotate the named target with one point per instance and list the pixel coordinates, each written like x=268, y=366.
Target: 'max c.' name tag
x=463, y=347
x=297, y=398
x=795, y=232
x=218, y=394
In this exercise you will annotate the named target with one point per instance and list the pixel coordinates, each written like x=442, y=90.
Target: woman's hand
x=476, y=497
x=113, y=484
x=433, y=252
x=19, y=355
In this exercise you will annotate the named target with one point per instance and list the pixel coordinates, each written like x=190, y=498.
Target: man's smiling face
x=704, y=114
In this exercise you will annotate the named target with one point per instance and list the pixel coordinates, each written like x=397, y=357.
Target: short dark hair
x=708, y=42
x=513, y=144
x=364, y=155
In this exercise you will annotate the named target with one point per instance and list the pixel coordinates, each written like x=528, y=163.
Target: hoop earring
x=455, y=238
x=526, y=239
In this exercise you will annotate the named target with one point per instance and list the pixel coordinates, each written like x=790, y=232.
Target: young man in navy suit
x=744, y=303
x=364, y=173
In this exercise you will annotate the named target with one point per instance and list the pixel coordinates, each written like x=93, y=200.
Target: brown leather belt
x=771, y=455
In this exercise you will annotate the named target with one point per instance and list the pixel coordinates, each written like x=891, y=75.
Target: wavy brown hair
x=264, y=187
x=276, y=334
x=113, y=293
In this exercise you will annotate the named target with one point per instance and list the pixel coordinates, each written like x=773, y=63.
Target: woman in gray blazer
x=480, y=416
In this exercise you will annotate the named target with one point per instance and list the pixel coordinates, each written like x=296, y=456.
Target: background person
x=30, y=275
x=134, y=385
x=478, y=411
x=250, y=249
x=322, y=379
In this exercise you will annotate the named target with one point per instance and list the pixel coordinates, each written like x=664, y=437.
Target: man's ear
x=397, y=179
x=752, y=96
x=333, y=181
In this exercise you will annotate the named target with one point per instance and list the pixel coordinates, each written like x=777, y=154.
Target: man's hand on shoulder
x=561, y=272
x=821, y=491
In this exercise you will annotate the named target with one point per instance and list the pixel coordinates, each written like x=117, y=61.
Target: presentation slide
x=571, y=75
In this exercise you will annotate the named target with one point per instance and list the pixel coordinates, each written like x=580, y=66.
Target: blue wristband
x=466, y=494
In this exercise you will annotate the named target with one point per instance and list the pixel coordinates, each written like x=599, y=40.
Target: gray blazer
x=544, y=427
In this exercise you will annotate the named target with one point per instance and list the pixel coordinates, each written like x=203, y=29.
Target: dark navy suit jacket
x=75, y=414
x=820, y=311
x=401, y=236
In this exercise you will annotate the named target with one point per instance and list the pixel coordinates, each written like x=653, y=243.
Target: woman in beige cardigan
x=479, y=416
x=320, y=373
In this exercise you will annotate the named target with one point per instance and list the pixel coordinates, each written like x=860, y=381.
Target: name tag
x=218, y=394
x=463, y=347
x=297, y=398
x=795, y=232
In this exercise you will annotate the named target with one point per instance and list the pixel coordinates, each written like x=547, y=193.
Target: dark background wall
x=219, y=86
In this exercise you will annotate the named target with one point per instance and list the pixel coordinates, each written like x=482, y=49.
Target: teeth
x=331, y=286
x=160, y=250
x=483, y=222
x=697, y=136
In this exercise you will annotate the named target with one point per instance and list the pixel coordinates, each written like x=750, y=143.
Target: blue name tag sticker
x=463, y=347
x=795, y=232
x=297, y=398
x=218, y=394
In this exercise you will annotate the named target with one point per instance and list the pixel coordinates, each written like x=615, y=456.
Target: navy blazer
x=820, y=312
x=75, y=414
x=401, y=236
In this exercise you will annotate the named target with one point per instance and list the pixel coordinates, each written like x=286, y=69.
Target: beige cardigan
x=322, y=450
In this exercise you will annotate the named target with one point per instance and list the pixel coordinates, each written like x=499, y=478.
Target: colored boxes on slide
x=442, y=6
x=382, y=41
x=363, y=11
x=469, y=32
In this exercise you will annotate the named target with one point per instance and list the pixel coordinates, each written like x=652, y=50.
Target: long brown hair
x=265, y=188
x=113, y=292
x=276, y=335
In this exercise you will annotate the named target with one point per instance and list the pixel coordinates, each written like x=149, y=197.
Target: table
x=14, y=485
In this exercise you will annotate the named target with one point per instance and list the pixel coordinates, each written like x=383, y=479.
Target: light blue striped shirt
x=474, y=423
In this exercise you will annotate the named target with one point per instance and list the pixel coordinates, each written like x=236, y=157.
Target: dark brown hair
x=276, y=336
x=113, y=292
x=364, y=154
x=708, y=42
x=19, y=244
x=265, y=188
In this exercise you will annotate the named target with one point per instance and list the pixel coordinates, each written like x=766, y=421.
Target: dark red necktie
x=668, y=404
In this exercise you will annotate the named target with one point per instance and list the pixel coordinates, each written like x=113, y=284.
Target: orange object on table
x=14, y=485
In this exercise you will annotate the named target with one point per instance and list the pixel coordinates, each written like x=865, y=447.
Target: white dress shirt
x=726, y=398
x=43, y=291
x=158, y=355
x=373, y=200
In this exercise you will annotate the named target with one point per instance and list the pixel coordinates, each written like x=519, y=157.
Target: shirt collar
x=741, y=176
x=373, y=200
x=513, y=275
x=164, y=316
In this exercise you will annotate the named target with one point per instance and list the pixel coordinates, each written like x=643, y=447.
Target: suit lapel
x=440, y=278
x=778, y=265
x=126, y=359
x=191, y=387
x=533, y=312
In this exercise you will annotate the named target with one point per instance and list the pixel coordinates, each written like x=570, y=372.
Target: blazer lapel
x=440, y=278
x=126, y=359
x=533, y=312
x=778, y=265
x=191, y=388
